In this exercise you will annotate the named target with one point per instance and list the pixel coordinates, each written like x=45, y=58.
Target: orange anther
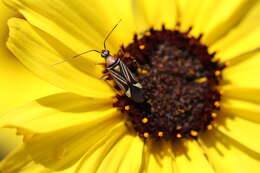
x=178, y=135
x=127, y=107
x=193, y=133
x=160, y=133
x=145, y=120
x=146, y=135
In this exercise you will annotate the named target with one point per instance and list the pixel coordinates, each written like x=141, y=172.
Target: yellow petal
x=246, y=94
x=132, y=161
x=80, y=25
x=9, y=141
x=243, y=109
x=60, y=19
x=155, y=13
x=56, y=112
x=201, y=16
x=159, y=159
x=244, y=73
x=14, y=80
x=10, y=164
x=197, y=14
x=207, y=17
x=164, y=165
x=189, y=10
x=13, y=76
x=241, y=130
x=228, y=155
x=94, y=157
x=241, y=38
x=29, y=46
x=114, y=10
x=69, y=130
x=126, y=156
x=226, y=15
x=62, y=148
x=190, y=158
x=20, y=161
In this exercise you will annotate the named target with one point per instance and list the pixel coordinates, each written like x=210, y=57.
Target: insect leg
x=100, y=63
x=104, y=75
x=116, y=91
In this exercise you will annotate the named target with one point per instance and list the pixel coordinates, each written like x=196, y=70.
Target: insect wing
x=136, y=93
x=119, y=79
x=126, y=81
x=127, y=73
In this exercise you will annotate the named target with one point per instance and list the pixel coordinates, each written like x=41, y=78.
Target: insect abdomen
x=135, y=93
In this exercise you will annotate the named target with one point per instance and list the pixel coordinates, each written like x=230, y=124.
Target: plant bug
x=120, y=73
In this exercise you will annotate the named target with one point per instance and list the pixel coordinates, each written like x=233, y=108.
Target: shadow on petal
x=242, y=57
x=69, y=102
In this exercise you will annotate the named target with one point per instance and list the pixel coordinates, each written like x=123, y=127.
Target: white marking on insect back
x=125, y=71
x=138, y=85
x=117, y=68
x=128, y=93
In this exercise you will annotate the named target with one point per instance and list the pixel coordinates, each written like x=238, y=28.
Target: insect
x=120, y=73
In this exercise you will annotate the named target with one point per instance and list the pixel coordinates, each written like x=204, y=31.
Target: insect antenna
x=75, y=56
x=110, y=33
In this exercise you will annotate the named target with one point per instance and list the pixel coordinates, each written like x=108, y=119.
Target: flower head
x=197, y=69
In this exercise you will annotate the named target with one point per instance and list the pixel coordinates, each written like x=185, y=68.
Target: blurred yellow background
x=17, y=85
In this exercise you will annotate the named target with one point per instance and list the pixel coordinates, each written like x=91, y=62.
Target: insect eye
x=105, y=53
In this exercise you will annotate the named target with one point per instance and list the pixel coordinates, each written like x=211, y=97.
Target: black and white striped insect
x=120, y=73
x=123, y=77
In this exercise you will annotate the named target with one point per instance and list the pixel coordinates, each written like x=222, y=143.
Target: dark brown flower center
x=179, y=80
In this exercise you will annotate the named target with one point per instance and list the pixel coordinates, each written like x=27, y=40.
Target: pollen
x=217, y=73
x=178, y=135
x=209, y=127
x=214, y=114
x=217, y=104
x=193, y=133
x=145, y=120
x=160, y=134
x=181, y=110
x=142, y=71
x=139, y=70
x=227, y=63
x=201, y=80
x=120, y=92
x=147, y=33
x=146, y=134
x=178, y=128
x=115, y=100
x=127, y=108
x=142, y=47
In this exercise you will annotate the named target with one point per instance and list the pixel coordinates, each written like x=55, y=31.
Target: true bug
x=116, y=68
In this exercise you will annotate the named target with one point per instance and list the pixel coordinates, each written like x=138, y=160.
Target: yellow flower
x=79, y=130
x=14, y=88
